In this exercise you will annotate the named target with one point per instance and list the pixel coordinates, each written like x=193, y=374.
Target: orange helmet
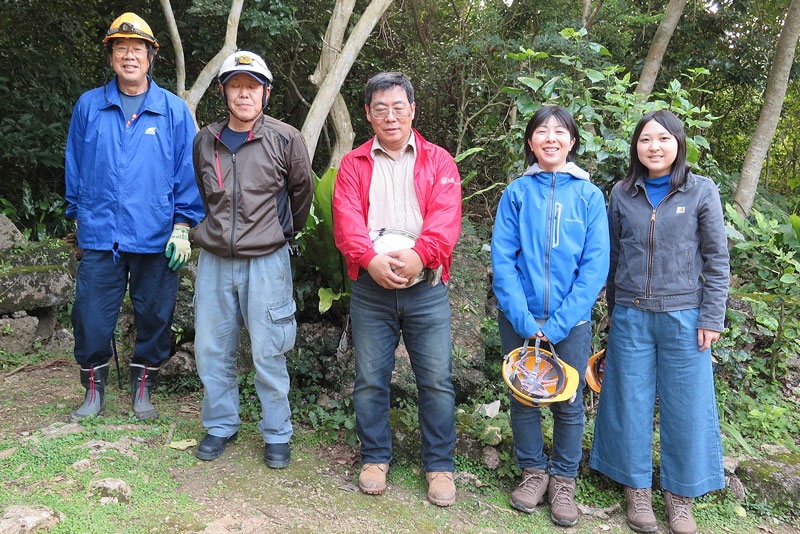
x=539, y=377
x=595, y=369
x=130, y=26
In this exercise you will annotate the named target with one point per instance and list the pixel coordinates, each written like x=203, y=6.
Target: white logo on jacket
x=150, y=131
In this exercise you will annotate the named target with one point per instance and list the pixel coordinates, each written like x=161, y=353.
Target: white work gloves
x=178, y=249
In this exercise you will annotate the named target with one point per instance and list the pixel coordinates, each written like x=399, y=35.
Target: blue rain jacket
x=550, y=250
x=128, y=183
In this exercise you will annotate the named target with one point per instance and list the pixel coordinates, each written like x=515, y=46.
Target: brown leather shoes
x=679, y=513
x=531, y=490
x=441, y=488
x=372, y=479
x=640, y=509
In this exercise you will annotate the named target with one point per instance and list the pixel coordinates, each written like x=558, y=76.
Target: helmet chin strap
x=260, y=113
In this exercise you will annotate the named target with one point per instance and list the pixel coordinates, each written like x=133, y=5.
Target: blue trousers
x=99, y=292
x=651, y=353
x=422, y=314
x=526, y=421
x=256, y=293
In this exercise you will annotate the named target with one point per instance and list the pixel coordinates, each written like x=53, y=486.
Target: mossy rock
x=775, y=479
x=39, y=275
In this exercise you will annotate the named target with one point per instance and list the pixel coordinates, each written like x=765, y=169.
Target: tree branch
x=175, y=37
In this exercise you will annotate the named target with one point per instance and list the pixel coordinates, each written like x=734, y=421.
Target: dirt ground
x=237, y=492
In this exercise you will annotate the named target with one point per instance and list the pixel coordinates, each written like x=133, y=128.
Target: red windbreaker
x=438, y=187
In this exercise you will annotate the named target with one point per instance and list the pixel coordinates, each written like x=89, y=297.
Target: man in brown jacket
x=255, y=180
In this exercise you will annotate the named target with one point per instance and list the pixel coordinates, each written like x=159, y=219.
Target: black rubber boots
x=94, y=380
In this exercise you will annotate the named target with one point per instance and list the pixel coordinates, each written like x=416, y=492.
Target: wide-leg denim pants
x=256, y=293
x=651, y=353
x=100, y=289
x=422, y=314
x=526, y=421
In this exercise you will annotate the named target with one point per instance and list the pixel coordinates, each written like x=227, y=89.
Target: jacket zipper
x=547, y=250
x=233, y=214
x=219, y=170
x=652, y=232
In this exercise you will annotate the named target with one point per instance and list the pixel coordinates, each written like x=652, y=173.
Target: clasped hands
x=396, y=269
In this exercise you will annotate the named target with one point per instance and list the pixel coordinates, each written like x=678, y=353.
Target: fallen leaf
x=183, y=444
x=8, y=452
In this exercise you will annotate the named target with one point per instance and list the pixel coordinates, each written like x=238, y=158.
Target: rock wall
x=35, y=279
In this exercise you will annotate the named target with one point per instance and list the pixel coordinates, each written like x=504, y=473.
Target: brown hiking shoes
x=441, y=488
x=372, y=479
x=530, y=491
x=561, y=493
x=679, y=513
x=640, y=509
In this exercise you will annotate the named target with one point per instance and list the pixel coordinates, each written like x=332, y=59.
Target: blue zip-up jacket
x=550, y=250
x=128, y=183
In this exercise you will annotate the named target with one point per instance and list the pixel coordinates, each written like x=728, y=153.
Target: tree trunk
x=659, y=45
x=339, y=116
x=333, y=81
x=192, y=96
x=588, y=19
x=775, y=93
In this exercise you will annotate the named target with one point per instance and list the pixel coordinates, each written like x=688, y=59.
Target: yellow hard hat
x=595, y=369
x=539, y=377
x=130, y=26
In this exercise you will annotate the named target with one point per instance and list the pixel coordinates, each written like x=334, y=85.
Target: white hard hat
x=248, y=62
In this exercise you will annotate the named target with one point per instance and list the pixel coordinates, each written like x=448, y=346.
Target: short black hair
x=386, y=80
x=564, y=119
x=680, y=169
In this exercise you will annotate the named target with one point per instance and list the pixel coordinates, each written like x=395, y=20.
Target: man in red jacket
x=397, y=217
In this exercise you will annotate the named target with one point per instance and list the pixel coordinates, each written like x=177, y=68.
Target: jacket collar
x=151, y=103
x=691, y=181
x=570, y=169
x=217, y=127
x=422, y=148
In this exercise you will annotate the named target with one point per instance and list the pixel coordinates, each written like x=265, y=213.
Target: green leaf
x=533, y=83
x=692, y=154
x=468, y=153
x=326, y=298
x=595, y=75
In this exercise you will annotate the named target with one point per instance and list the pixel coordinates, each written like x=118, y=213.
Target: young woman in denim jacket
x=667, y=288
x=550, y=257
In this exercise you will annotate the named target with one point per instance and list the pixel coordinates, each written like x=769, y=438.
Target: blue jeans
x=422, y=314
x=649, y=353
x=99, y=292
x=256, y=293
x=526, y=421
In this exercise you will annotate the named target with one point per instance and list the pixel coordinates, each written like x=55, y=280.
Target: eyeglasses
x=382, y=113
x=137, y=50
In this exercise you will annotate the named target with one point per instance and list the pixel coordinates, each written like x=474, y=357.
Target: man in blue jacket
x=130, y=189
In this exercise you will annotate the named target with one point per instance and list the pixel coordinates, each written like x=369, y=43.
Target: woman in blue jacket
x=550, y=256
x=666, y=292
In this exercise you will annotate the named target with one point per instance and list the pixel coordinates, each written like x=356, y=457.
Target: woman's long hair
x=680, y=170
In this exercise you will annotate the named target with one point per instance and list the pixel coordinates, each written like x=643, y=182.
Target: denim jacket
x=671, y=257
